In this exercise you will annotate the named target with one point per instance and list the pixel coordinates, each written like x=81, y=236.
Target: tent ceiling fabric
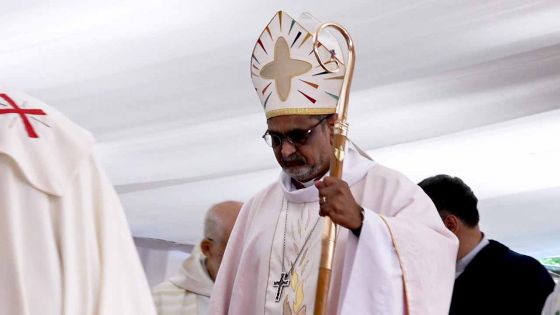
x=468, y=88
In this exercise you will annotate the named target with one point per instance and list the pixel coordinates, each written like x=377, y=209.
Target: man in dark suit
x=490, y=278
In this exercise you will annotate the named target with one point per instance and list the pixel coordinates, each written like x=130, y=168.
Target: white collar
x=355, y=168
x=306, y=184
x=193, y=275
x=465, y=261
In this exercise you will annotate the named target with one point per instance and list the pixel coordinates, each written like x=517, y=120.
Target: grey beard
x=302, y=173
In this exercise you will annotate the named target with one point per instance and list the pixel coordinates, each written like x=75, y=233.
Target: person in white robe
x=65, y=243
x=188, y=292
x=393, y=254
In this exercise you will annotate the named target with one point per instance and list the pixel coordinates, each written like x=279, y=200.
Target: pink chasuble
x=402, y=263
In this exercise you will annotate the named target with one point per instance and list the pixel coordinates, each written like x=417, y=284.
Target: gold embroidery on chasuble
x=298, y=297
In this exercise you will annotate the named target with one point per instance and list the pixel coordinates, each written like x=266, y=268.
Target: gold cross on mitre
x=286, y=73
x=283, y=69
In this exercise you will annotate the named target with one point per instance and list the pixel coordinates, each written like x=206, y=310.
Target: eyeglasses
x=296, y=137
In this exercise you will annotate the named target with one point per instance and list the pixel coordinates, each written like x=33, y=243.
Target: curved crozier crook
x=349, y=43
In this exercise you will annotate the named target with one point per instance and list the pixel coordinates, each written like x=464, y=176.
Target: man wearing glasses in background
x=393, y=254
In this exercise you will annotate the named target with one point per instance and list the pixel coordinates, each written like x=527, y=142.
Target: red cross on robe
x=22, y=113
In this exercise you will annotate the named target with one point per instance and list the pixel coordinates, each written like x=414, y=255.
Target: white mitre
x=286, y=73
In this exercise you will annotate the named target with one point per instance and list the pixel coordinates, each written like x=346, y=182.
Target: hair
x=452, y=196
x=212, y=228
x=215, y=222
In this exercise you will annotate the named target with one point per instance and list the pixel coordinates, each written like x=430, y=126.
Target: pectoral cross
x=280, y=284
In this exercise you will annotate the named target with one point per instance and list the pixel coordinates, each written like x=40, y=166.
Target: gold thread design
x=404, y=276
x=299, y=111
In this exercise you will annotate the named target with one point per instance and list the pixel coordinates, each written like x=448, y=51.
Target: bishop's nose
x=287, y=149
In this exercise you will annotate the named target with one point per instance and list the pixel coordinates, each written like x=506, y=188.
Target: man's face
x=309, y=160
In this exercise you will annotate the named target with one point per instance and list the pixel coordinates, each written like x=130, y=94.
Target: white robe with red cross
x=65, y=245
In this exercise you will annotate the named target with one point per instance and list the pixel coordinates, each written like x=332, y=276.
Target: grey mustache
x=293, y=158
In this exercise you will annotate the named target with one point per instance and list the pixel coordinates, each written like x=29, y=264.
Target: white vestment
x=65, y=245
x=187, y=293
x=403, y=261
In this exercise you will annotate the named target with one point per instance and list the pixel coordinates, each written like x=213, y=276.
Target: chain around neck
x=284, y=239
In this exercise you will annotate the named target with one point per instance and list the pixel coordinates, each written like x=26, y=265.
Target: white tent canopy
x=468, y=88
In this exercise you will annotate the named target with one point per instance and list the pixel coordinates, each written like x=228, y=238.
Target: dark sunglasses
x=296, y=137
